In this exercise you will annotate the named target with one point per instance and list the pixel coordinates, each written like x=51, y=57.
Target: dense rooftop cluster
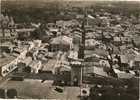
x=45, y=51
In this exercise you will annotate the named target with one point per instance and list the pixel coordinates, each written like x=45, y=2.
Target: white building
x=73, y=55
x=62, y=43
x=35, y=66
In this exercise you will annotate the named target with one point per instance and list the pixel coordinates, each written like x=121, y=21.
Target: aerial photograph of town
x=70, y=49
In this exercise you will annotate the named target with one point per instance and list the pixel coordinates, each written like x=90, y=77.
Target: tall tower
x=77, y=66
x=82, y=45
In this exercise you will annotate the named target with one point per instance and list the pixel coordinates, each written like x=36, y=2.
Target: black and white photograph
x=70, y=49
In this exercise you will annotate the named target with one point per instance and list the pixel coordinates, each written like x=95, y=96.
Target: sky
x=71, y=0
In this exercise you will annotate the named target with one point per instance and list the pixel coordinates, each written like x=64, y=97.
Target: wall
x=76, y=71
x=6, y=69
x=9, y=67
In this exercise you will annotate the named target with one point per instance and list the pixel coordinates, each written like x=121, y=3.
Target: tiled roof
x=65, y=68
x=61, y=40
x=100, y=71
x=6, y=60
x=137, y=58
x=117, y=39
x=124, y=59
x=122, y=74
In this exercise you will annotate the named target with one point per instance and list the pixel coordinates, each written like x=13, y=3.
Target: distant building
x=137, y=27
x=62, y=43
x=91, y=43
x=37, y=43
x=126, y=40
x=51, y=25
x=24, y=33
x=67, y=24
x=123, y=74
x=7, y=35
x=137, y=62
x=136, y=41
x=124, y=61
x=117, y=41
x=7, y=28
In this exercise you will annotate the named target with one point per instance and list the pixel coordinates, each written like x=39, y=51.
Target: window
x=11, y=67
x=5, y=71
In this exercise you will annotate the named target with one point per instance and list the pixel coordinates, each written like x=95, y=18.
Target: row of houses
x=9, y=63
x=17, y=54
